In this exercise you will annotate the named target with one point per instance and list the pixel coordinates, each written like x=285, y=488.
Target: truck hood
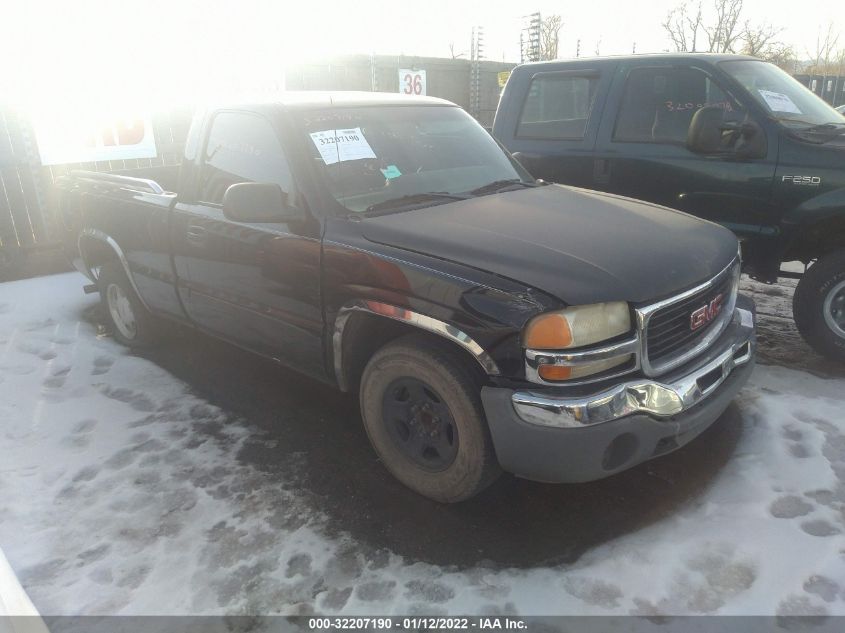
x=580, y=246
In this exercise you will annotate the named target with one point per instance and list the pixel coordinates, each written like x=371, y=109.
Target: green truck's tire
x=131, y=323
x=819, y=306
x=421, y=406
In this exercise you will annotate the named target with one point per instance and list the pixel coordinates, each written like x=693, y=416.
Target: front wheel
x=819, y=306
x=421, y=406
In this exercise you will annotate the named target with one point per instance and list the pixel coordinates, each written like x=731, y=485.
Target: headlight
x=578, y=327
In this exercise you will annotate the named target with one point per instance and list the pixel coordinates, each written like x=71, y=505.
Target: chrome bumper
x=675, y=393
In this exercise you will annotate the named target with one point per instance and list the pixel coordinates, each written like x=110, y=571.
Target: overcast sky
x=102, y=52
x=616, y=24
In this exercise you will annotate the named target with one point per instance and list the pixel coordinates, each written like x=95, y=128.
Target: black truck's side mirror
x=258, y=202
x=709, y=133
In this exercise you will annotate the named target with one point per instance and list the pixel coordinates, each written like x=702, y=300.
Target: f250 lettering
x=812, y=181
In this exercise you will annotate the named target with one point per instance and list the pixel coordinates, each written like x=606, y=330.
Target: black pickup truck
x=387, y=245
x=727, y=138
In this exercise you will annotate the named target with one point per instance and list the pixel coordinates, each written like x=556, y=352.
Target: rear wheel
x=130, y=321
x=421, y=406
x=819, y=306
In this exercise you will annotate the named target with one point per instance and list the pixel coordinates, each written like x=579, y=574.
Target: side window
x=659, y=103
x=557, y=107
x=241, y=147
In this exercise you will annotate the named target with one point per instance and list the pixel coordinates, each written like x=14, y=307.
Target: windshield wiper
x=413, y=199
x=502, y=185
x=826, y=126
x=820, y=133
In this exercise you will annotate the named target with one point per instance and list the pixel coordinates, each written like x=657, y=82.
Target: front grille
x=669, y=333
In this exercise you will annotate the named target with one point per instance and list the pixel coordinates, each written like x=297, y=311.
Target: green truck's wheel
x=819, y=306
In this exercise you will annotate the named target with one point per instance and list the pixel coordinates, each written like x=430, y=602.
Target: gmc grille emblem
x=706, y=313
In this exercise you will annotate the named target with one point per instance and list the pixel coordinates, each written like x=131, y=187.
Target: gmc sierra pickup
x=727, y=138
x=389, y=246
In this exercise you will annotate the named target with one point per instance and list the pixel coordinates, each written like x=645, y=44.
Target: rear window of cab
x=557, y=106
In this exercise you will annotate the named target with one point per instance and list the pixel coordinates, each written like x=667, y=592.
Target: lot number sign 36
x=411, y=82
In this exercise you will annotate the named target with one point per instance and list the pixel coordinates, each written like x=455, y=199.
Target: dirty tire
x=808, y=305
x=456, y=385
x=143, y=333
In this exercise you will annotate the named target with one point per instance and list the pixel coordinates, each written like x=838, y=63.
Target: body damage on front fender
x=490, y=310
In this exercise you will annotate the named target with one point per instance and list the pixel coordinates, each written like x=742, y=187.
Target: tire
x=131, y=323
x=819, y=306
x=421, y=406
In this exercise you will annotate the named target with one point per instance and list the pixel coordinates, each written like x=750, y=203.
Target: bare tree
x=683, y=24
x=550, y=37
x=724, y=33
x=783, y=56
x=827, y=52
x=759, y=40
x=452, y=52
x=719, y=28
x=762, y=41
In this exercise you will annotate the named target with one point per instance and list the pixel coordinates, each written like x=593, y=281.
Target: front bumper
x=546, y=435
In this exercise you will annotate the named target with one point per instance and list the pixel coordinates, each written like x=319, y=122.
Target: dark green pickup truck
x=727, y=138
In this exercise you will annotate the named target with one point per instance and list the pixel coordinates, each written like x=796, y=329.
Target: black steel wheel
x=420, y=423
x=421, y=406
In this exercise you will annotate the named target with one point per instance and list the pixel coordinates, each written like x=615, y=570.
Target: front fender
x=414, y=319
x=818, y=209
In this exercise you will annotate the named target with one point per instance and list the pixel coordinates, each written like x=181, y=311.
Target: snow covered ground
x=122, y=492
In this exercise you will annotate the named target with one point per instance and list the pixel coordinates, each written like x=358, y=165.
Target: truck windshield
x=782, y=96
x=390, y=157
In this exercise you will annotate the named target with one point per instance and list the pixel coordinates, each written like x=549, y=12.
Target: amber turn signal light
x=553, y=373
x=548, y=331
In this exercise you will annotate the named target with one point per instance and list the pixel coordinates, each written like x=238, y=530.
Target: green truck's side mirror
x=258, y=202
x=709, y=133
x=705, y=131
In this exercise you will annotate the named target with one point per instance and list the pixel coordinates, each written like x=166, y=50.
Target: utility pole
x=529, y=39
x=578, y=48
x=373, y=74
x=476, y=54
x=534, y=27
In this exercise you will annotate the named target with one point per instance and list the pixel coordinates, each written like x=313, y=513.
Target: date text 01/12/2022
x=417, y=623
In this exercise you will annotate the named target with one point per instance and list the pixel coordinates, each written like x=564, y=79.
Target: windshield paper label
x=779, y=102
x=341, y=145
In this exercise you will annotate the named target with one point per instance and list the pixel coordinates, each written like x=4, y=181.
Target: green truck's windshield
x=373, y=156
x=781, y=95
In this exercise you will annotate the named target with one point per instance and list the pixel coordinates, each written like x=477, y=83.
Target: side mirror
x=709, y=133
x=705, y=131
x=258, y=202
x=752, y=141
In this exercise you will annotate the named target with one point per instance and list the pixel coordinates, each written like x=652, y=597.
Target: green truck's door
x=641, y=147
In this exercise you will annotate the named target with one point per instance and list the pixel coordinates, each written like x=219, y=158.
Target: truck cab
x=727, y=138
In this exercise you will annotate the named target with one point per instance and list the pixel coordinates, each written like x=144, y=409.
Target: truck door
x=552, y=130
x=641, y=148
x=255, y=284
